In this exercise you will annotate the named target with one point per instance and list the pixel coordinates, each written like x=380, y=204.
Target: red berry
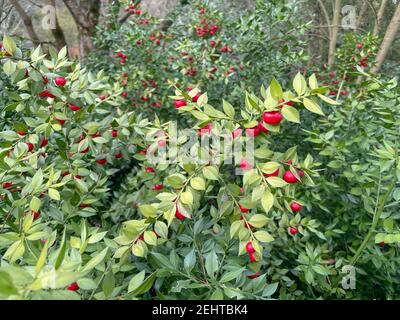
x=44, y=142
x=295, y=206
x=158, y=187
x=301, y=173
x=245, y=165
x=124, y=94
x=118, y=155
x=30, y=146
x=102, y=161
x=60, y=81
x=360, y=46
x=21, y=133
x=293, y=230
x=7, y=185
x=84, y=205
x=253, y=132
x=74, y=108
x=73, y=287
x=150, y=170
x=273, y=117
x=254, y=276
x=179, y=215
x=252, y=257
x=273, y=174
x=289, y=177
x=35, y=215
x=261, y=127
x=60, y=121
x=250, y=248
x=243, y=209
x=180, y=103
x=382, y=244
x=237, y=132
x=114, y=133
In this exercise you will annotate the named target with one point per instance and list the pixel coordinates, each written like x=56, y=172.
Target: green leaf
x=61, y=252
x=291, y=114
x=228, y=276
x=328, y=100
x=136, y=281
x=210, y=173
x=198, y=183
x=95, y=261
x=276, y=182
x=9, y=44
x=263, y=236
x=148, y=210
x=187, y=197
x=35, y=204
x=150, y=238
x=312, y=106
x=37, y=179
x=276, y=90
x=189, y=261
x=54, y=194
x=228, y=109
x=7, y=287
x=267, y=201
x=211, y=264
x=299, y=84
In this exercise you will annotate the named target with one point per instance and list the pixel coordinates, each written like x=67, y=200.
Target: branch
x=26, y=20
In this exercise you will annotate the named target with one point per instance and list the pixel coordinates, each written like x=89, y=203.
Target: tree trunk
x=363, y=11
x=379, y=18
x=387, y=42
x=26, y=20
x=58, y=33
x=334, y=33
x=86, y=15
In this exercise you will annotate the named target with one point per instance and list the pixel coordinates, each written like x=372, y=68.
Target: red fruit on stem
x=382, y=244
x=44, y=142
x=60, y=81
x=245, y=165
x=243, y=209
x=359, y=45
x=180, y=103
x=74, y=108
x=253, y=132
x=237, y=132
x=273, y=117
x=295, y=206
x=250, y=248
x=60, y=121
x=158, y=187
x=289, y=177
x=73, y=287
x=150, y=170
x=21, y=133
x=102, y=161
x=252, y=257
x=30, y=146
x=124, y=94
x=7, y=185
x=84, y=205
x=261, y=127
x=179, y=215
x=118, y=155
x=293, y=230
x=254, y=276
x=114, y=133
x=273, y=174
x=35, y=215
